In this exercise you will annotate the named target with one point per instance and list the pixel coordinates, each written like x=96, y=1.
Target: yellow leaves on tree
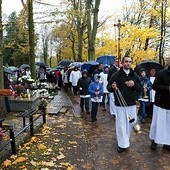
x=106, y=46
x=141, y=55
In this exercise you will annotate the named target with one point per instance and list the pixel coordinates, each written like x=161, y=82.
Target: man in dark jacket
x=159, y=131
x=83, y=85
x=99, y=69
x=113, y=69
x=124, y=83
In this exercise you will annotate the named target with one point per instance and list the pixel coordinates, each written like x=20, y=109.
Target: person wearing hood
x=103, y=80
x=83, y=85
x=96, y=90
x=144, y=94
x=125, y=84
x=74, y=76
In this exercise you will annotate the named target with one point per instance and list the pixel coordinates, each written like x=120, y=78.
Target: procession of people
x=128, y=98
x=131, y=96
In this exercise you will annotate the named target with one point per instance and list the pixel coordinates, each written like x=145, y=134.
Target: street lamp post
x=119, y=25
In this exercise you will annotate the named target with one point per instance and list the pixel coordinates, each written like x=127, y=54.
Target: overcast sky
x=109, y=6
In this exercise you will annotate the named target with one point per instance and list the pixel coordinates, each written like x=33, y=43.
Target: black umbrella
x=24, y=66
x=41, y=64
x=50, y=70
x=7, y=70
x=148, y=65
x=65, y=62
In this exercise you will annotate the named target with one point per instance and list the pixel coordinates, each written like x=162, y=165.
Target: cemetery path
x=70, y=141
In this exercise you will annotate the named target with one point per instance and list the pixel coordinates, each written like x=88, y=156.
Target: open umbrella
x=24, y=66
x=7, y=70
x=50, y=70
x=148, y=65
x=13, y=68
x=65, y=63
x=77, y=64
x=41, y=64
x=87, y=65
x=90, y=66
x=106, y=59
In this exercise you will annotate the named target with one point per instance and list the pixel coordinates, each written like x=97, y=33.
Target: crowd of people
x=122, y=89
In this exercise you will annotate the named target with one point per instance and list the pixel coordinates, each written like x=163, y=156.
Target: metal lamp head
x=137, y=128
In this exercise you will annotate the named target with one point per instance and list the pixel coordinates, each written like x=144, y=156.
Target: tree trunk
x=147, y=39
x=2, y=102
x=162, y=34
x=80, y=44
x=22, y=1
x=92, y=27
x=73, y=47
x=88, y=14
x=45, y=48
x=31, y=38
x=1, y=46
x=151, y=23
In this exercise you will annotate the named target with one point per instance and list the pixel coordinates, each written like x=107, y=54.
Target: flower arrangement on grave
x=43, y=103
x=28, y=82
x=18, y=88
x=26, y=94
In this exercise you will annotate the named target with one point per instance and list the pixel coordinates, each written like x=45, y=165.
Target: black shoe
x=143, y=121
x=93, y=120
x=167, y=147
x=88, y=112
x=153, y=146
x=114, y=116
x=120, y=150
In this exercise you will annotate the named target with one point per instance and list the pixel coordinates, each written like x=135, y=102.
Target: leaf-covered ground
x=68, y=142
x=58, y=145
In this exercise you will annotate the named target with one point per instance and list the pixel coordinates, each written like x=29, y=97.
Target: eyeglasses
x=128, y=61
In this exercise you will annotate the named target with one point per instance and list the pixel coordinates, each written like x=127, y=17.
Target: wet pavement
x=101, y=143
x=74, y=142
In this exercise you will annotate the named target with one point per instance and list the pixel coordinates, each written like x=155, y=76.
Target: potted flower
x=43, y=104
x=19, y=89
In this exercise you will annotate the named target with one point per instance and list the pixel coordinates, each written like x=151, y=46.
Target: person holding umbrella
x=144, y=94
